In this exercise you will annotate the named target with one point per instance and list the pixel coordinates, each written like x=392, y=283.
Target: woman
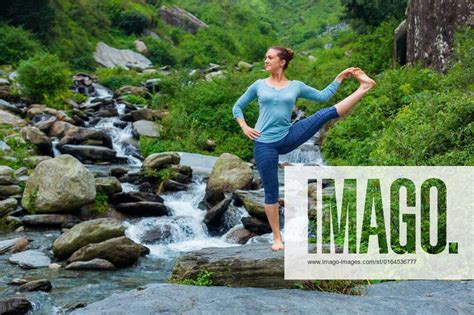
x=274, y=134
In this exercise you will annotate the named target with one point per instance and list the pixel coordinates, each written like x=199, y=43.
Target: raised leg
x=366, y=83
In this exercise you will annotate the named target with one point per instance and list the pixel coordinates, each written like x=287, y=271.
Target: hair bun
x=291, y=53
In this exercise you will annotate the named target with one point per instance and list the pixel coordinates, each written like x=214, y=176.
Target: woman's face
x=273, y=63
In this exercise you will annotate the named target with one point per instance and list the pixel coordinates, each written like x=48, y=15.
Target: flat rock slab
x=30, y=259
x=254, y=265
x=421, y=297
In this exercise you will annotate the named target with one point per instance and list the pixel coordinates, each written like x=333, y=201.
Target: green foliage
x=159, y=52
x=204, y=278
x=20, y=149
x=133, y=22
x=101, y=203
x=135, y=99
x=365, y=13
x=16, y=44
x=43, y=76
x=414, y=116
x=117, y=77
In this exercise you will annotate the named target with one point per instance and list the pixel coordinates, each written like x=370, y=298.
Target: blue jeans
x=266, y=154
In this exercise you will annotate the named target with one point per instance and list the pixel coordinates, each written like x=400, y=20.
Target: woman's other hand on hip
x=251, y=133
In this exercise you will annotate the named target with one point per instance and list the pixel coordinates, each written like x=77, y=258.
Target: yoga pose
x=274, y=134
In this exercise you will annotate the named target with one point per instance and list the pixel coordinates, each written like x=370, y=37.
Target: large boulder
x=146, y=128
x=88, y=232
x=59, y=185
x=228, y=174
x=431, y=25
x=178, y=17
x=120, y=251
x=110, y=57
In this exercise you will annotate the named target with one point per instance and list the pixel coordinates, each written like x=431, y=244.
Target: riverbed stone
x=228, y=174
x=50, y=220
x=84, y=233
x=7, y=206
x=36, y=285
x=89, y=152
x=35, y=136
x=160, y=160
x=146, y=128
x=9, y=190
x=143, y=208
x=10, y=244
x=120, y=251
x=30, y=259
x=15, y=305
x=7, y=175
x=59, y=185
x=11, y=119
x=94, y=264
x=108, y=185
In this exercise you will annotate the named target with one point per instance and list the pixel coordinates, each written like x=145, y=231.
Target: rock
x=134, y=196
x=108, y=185
x=228, y=174
x=59, y=128
x=162, y=234
x=110, y=57
x=216, y=75
x=15, y=305
x=394, y=297
x=140, y=114
x=213, y=216
x=11, y=119
x=20, y=246
x=84, y=136
x=143, y=208
x=38, y=138
x=37, y=285
x=172, y=185
x=256, y=225
x=120, y=251
x=430, y=30
x=178, y=17
x=9, y=245
x=54, y=266
x=400, y=44
x=238, y=266
x=34, y=160
x=50, y=220
x=84, y=233
x=45, y=124
x=146, y=128
x=118, y=171
x=7, y=175
x=4, y=105
x=94, y=264
x=30, y=259
x=7, y=206
x=89, y=152
x=59, y=185
x=239, y=235
x=21, y=171
x=244, y=66
x=9, y=190
x=251, y=201
x=129, y=89
x=140, y=47
x=160, y=160
x=150, y=33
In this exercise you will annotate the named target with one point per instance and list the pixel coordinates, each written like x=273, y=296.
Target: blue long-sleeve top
x=276, y=104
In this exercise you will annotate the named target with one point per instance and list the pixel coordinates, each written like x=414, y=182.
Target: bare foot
x=363, y=79
x=277, y=245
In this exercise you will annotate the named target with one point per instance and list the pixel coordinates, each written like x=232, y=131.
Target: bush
x=133, y=22
x=44, y=76
x=160, y=53
x=16, y=44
